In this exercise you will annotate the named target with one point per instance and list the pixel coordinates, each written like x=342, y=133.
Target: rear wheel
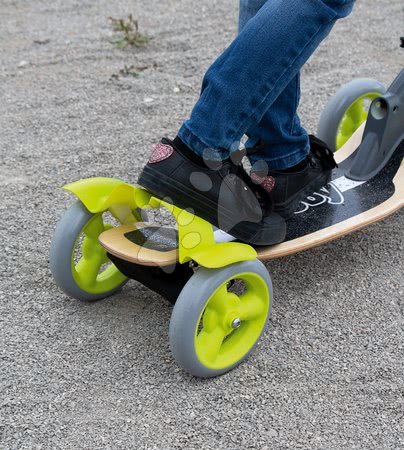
x=219, y=317
x=79, y=264
x=347, y=110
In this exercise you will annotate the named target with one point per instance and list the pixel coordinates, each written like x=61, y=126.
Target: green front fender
x=101, y=194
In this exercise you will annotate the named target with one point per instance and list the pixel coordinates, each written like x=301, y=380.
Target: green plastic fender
x=196, y=238
x=100, y=194
x=197, y=241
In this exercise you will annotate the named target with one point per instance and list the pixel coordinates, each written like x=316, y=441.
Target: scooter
x=221, y=290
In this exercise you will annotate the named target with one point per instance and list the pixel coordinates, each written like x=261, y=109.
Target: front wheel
x=219, y=317
x=347, y=110
x=79, y=264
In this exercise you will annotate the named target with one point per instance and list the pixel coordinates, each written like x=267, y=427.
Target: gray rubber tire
x=189, y=306
x=67, y=231
x=338, y=104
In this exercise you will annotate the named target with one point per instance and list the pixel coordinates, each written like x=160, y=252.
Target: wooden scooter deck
x=341, y=207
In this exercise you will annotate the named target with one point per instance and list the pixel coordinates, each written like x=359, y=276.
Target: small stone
x=41, y=41
x=177, y=90
x=23, y=64
x=272, y=433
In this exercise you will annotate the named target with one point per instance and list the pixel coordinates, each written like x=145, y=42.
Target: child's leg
x=242, y=84
x=260, y=64
x=280, y=127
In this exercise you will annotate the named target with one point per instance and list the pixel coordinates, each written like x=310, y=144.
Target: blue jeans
x=253, y=87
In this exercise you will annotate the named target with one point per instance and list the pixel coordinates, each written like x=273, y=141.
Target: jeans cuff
x=200, y=148
x=284, y=161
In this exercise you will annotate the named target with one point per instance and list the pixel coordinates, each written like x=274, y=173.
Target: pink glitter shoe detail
x=160, y=152
x=268, y=183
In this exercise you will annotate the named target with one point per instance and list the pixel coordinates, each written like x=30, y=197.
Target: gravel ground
x=328, y=373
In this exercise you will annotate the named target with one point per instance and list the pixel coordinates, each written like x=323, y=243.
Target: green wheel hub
x=88, y=272
x=354, y=117
x=230, y=325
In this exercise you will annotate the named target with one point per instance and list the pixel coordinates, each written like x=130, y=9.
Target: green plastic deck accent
x=217, y=344
x=196, y=238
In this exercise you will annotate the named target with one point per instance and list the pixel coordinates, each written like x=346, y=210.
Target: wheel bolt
x=236, y=323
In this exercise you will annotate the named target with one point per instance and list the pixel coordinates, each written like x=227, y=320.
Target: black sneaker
x=289, y=187
x=220, y=192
